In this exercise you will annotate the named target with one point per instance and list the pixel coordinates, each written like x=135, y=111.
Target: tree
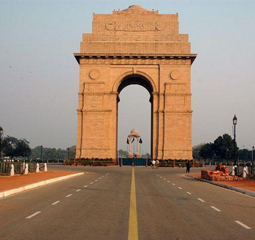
x=72, y=152
x=224, y=147
x=53, y=153
x=245, y=154
x=207, y=151
x=122, y=153
x=13, y=147
x=36, y=152
x=146, y=155
x=196, y=150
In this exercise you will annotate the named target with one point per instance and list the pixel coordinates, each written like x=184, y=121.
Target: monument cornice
x=144, y=56
x=93, y=110
x=173, y=111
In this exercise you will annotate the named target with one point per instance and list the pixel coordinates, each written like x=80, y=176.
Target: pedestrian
x=153, y=163
x=245, y=171
x=233, y=170
x=187, y=167
x=157, y=163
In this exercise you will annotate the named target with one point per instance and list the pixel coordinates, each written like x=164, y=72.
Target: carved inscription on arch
x=135, y=26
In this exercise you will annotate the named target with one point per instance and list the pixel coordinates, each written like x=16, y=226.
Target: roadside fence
x=9, y=168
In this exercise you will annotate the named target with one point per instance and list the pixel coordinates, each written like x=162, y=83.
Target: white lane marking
x=160, y=177
x=91, y=183
x=96, y=180
x=188, y=193
x=168, y=181
x=99, y=178
x=32, y=215
x=179, y=187
x=85, y=185
x=69, y=195
x=173, y=184
x=55, y=203
x=78, y=190
x=164, y=179
x=243, y=225
x=102, y=176
x=216, y=209
x=201, y=200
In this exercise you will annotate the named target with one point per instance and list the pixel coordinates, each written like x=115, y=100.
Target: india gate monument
x=135, y=46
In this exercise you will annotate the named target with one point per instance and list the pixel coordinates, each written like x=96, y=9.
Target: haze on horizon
x=39, y=75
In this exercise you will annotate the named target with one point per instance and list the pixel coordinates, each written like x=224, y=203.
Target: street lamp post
x=235, y=123
x=67, y=153
x=41, y=153
x=1, y=133
x=252, y=158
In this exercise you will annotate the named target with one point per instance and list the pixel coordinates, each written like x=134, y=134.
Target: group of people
x=155, y=163
x=245, y=172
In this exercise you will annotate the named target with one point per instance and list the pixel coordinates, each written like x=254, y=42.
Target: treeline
x=222, y=148
x=124, y=154
x=44, y=153
x=13, y=147
x=19, y=148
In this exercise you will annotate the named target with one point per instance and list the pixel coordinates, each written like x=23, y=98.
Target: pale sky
x=39, y=76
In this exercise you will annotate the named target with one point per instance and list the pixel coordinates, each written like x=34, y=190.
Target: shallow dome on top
x=134, y=133
x=135, y=8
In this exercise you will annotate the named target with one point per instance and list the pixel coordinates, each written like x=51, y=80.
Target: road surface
x=128, y=203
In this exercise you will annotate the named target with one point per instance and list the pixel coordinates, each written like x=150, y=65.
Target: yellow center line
x=133, y=226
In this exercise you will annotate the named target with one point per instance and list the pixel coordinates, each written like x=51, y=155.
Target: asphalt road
x=97, y=205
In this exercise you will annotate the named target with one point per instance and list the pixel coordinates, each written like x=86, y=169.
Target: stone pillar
x=26, y=168
x=129, y=145
x=12, y=170
x=37, y=167
x=45, y=167
x=137, y=146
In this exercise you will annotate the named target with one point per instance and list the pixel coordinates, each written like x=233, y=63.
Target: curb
x=38, y=184
x=250, y=193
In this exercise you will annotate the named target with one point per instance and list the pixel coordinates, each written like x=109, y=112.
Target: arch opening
x=135, y=97
x=137, y=80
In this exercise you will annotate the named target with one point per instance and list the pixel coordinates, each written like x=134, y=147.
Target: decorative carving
x=160, y=26
x=175, y=75
x=135, y=61
x=94, y=74
x=135, y=26
x=110, y=26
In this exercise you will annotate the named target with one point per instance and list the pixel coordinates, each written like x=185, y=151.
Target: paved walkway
x=248, y=184
x=8, y=183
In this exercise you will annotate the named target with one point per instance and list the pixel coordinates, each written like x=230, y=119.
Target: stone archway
x=135, y=46
x=143, y=80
